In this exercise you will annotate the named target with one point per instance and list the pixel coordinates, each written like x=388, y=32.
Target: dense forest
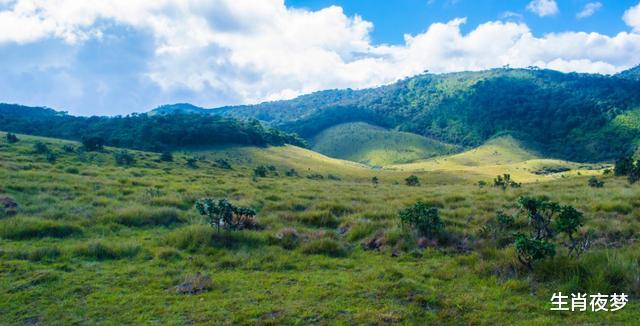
x=141, y=131
x=584, y=117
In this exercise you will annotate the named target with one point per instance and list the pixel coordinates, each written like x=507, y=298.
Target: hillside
x=141, y=131
x=569, y=115
x=498, y=156
x=92, y=240
x=376, y=146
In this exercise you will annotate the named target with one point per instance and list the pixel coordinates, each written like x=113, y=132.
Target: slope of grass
x=501, y=155
x=376, y=146
x=138, y=238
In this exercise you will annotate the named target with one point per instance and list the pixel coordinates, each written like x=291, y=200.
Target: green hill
x=372, y=145
x=569, y=115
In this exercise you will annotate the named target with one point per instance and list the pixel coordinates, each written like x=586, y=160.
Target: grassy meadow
x=94, y=242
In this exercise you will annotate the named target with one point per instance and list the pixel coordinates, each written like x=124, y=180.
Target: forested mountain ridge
x=572, y=116
x=141, y=131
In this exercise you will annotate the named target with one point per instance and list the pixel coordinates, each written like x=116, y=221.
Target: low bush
x=326, y=247
x=422, y=217
x=21, y=228
x=412, y=181
x=123, y=157
x=101, y=250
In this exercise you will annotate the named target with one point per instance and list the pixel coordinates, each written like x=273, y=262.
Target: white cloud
x=543, y=8
x=632, y=17
x=242, y=51
x=589, y=9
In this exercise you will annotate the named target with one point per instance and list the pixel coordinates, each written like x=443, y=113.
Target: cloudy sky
x=121, y=56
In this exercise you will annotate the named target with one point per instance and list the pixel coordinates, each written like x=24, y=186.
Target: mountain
x=142, y=131
x=570, y=115
x=633, y=73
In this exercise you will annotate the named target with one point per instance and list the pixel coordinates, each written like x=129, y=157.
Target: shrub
x=412, y=181
x=375, y=181
x=530, y=250
x=51, y=158
x=68, y=148
x=11, y=138
x=72, y=170
x=101, y=250
x=223, y=213
x=325, y=246
x=291, y=173
x=40, y=148
x=287, y=238
x=192, y=162
x=260, y=171
x=623, y=166
x=92, y=143
x=333, y=177
x=540, y=212
x=166, y=157
x=422, y=217
x=123, y=157
x=315, y=176
x=504, y=181
x=595, y=183
x=634, y=174
x=21, y=228
x=139, y=216
x=222, y=164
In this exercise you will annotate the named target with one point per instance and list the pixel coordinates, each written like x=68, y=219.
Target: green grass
x=376, y=146
x=136, y=236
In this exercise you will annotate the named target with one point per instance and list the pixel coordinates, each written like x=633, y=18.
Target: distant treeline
x=140, y=131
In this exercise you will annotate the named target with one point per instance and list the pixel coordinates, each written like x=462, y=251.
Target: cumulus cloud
x=120, y=56
x=632, y=17
x=543, y=8
x=589, y=9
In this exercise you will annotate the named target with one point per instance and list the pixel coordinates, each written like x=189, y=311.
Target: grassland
x=97, y=243
x=376, y=146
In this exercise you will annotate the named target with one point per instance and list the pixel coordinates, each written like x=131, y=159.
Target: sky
x=122, y=56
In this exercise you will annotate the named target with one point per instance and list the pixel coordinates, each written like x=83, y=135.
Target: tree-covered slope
x=141, y=131
x=571, y=115
x=372, y=145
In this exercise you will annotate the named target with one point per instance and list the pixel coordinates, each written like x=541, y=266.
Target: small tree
x=634, y=174
x=11, y=138
x=40, y=148
x=375, y=181
x=540, y=212
x=623, y=166
x=166, y=156
x=291, y=173
x=504, y=181
x=529, y=250
x=223, y=213
x=93, y=143
x=412, y=181
x=595, y=182
x=422, y=217
x=568, y=222
x=51, y=158
x=123, y=157
x=260, y=171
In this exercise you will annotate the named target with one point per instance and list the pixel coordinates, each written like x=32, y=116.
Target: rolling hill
x=376, y=146
x=569, y=115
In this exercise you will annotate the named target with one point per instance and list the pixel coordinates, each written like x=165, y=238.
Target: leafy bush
x=412, y=181
x=325, y=246
x=422, y=217
x=333, y=177
x=51, y=158
x=101, y=250
x=123, y=157
x=260, y=171
x=222, y=213
x=222, y=164
x=315, y=176
x=530, y=250
x=11, y=138
x=92, y=143
x=375, y=181
x=166, y=156
x=595, y=182
x=291, y=173
x=21, y=228
x=68, y=148
x=504, y=181
x=40, y=148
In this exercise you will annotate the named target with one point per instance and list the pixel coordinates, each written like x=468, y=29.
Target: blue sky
x=123, y=56
x=395, y=18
